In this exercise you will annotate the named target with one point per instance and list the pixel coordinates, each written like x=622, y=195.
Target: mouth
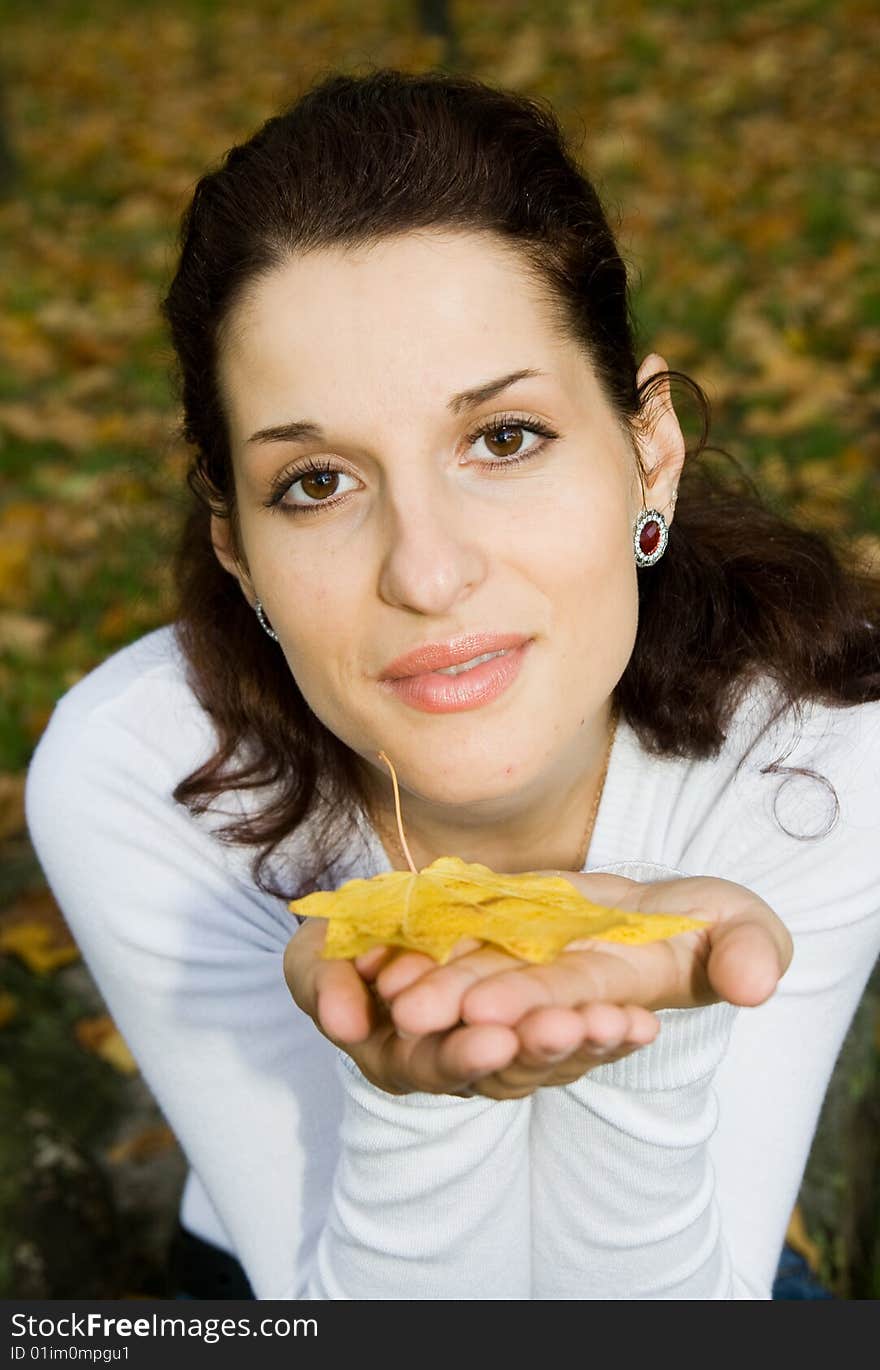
x=467, y=665
x=453, y=657
x=471, y=683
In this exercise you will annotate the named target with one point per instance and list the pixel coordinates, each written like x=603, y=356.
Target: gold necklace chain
x=391, y=839
x=588, y=835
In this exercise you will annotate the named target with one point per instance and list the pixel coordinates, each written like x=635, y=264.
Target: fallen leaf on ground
x=12, y=821
x=143, y=1146
x=8, y=1008
x=35, y=945
x=101, y=1037
x=798, y=1237
x=33, y=928
x=23, y=633
x=531, y=916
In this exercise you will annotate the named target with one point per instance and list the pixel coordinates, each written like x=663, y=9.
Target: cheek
x=322, y=616
x=309, y=590
x=582, y=551
x=317, y=630
x=589, y=575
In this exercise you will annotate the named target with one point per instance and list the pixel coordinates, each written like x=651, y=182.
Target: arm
x=431, y=1198
x=622, y=1183
x=772, y=1082
x=291, y=1145
x=687, y=1161
x=718, y=1133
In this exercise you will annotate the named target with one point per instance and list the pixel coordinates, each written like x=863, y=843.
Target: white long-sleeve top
x=669, y=1175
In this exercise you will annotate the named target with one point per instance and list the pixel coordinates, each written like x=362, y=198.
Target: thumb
x=747, y=960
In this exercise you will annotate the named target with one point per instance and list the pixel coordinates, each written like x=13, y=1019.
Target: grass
x=114, y=108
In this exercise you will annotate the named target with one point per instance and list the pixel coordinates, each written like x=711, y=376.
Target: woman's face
x=396, y=526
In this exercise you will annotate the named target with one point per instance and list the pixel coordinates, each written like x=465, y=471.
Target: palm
x=487, y=1023
x=739, y=956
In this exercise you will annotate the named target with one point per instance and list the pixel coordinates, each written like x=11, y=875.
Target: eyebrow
x=301, y=430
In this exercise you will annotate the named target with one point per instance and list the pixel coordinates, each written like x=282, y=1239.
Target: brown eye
x=319, y=484
x=511, y=439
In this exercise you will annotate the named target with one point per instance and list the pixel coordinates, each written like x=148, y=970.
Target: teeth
x=468, y=665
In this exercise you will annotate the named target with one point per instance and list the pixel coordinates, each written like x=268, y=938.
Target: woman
x=442, y=514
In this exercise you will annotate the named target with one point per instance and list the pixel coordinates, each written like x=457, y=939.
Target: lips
x=436, y=656
x=491, y=662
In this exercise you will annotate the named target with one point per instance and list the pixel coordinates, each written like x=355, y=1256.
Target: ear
x=221, y=539
x=660, y=441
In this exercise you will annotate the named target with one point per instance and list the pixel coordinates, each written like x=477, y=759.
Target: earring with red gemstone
x=650, y=535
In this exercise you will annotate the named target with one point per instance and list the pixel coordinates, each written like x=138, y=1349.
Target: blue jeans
x=795, y=1279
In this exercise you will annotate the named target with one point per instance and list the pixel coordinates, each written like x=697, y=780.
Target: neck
x=549, y=831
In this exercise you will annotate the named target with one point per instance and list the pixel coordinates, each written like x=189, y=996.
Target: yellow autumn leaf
x=37, y=946
x=12, y=819
x=798, y=1236
x=100, y=1036
x=8, y=1008
x=143, y=1146
x=530, y=915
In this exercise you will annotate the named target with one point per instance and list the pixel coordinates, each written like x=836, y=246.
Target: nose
x=433, y=554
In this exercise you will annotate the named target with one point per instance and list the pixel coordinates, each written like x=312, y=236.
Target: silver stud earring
x=265, y=622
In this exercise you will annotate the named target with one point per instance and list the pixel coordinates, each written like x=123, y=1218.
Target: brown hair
x=741, y=591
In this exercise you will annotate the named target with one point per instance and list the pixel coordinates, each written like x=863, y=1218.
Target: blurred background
x=735, y=148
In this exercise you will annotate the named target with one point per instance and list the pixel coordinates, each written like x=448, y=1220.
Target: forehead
x=412, y=314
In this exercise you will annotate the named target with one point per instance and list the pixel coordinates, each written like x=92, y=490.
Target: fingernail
x=553, y=1056
x=406, y=1036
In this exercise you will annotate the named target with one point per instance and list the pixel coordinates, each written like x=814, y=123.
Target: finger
x=653, y=973
x=551, y=1034
x=301, y=959
x=344, y=1007
x=603, y=1047
x=558, y=1046
x=467, y=1055
x=433, y=1002
x=609, y=1027
x=331, y=992
x=408, y=966
x=369, y=963
x=748, y=947
x=447, y=1062
x=746, y=960
x=547, y=1036
x=607, y=1033
x=401, y=971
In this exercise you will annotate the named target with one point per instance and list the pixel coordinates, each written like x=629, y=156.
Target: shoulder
x=805, y=766
x=789, y=798
x=140, y=698
x=118, y=743
x=814, y=767
x=801, y=812
x=101, y=813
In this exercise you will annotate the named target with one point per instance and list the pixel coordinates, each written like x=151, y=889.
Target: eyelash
x=285, y=479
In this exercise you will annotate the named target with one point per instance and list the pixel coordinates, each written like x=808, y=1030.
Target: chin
x=459, y=779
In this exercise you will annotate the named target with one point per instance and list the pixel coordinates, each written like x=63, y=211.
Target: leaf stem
x=406, y=851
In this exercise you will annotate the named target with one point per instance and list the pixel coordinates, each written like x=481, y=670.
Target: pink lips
x=414, y=678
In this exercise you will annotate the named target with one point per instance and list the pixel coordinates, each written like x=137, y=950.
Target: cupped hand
x=739, y=957
x=551, y=1045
